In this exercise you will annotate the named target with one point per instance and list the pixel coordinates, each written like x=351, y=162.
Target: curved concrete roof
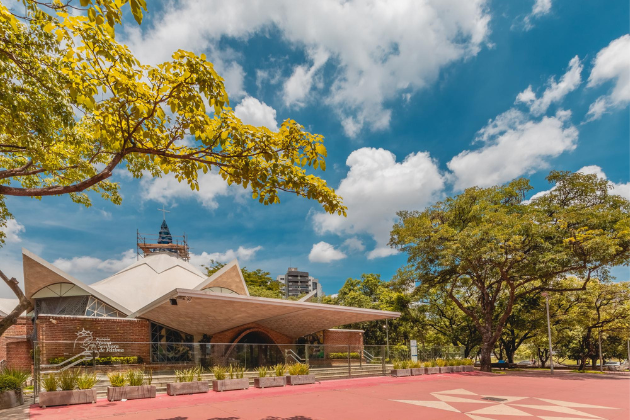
x=146, y=280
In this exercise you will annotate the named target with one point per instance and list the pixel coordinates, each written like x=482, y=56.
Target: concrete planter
x=445, y=369
x=417, y=371
x=10, y=399
x=457, y=368
x=468, y=368
x=119, y=393
x=401, y=372
x=230, y=384
x=186, y=388
x=431, y=370
x=270, y=381
x=300, y=379
x=76, y=396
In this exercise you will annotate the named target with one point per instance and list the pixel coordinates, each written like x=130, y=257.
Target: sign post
x=414, y=350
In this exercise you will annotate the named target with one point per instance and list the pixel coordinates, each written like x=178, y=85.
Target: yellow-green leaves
x=77, y=103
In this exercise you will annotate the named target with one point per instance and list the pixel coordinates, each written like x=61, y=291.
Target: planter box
x=185, y=388
x=417, y=371
x=76, y=396
x=230, y=384
x=270, y=381
x=401, y=372
x=431, y=370
x=468, y=368
x=119, y=393
x=457, y=368
x=300, y=379
x=445, y=369
x=10, y=399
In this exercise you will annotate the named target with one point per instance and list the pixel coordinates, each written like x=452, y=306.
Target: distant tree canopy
x=259, y=283
x=488, y=250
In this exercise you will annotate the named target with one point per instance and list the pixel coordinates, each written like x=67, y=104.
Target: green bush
x=109, y=360
x=116, y=379
x=68, y=379
x=280, y=369
x=135, y=377
x=86, y=380
x=219, y=373
x=50, y=383
x=353, y=355
x=9, y=383
x=189, y=375
x=299, y=369
x=19, y=374
x=262, y=371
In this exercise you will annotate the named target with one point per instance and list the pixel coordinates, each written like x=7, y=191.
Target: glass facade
x=169, y=345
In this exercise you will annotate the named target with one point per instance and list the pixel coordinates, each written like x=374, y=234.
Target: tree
x=259, y=283
x=525, y=321
x=487, y=249
x=75, y=104
x=371, y=292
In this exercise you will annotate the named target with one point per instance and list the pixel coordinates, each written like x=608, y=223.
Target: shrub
x=149, y=374
x=262, y=371
x=219, y=373
x=440, y=362
x=109, y=360
x=353, y=355
x=116, y=379
x=9, y=383
x=86, y=380
x=19, y=374
x=432, y=363
x=68, y=379
x=299, y=369
x=135, y=377
x=467, y=362
x=188, y=375
x=415, y=365
x=230, y=371
x=280, y=369
x=50, y=382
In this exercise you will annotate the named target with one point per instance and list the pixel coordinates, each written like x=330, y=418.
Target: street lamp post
x=387, y=336
x=546, y=295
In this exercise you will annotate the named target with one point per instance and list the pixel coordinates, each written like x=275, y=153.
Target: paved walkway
x=440, y=397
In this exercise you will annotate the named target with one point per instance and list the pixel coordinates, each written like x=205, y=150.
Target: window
x=62, y=305
x=169, y=345
x=97, y=308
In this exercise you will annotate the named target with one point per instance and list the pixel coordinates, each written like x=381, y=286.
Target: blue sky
x=416, y=101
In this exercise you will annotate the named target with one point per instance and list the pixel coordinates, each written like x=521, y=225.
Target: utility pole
x=387, y=336
x=601, y=360
x=546, y=295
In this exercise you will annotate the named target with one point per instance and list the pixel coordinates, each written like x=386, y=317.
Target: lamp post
x=387, y=336
x=546, y=295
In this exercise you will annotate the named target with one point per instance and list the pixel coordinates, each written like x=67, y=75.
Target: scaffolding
x=179, y=246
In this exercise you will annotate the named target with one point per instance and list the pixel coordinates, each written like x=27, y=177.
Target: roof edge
x=220, y=272
x=76, y=282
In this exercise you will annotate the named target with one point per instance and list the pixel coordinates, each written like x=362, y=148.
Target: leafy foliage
x=76, y=104
x=86, y=380
x=135, y=377
x=298, y=369
x=117, y=379
x=68, y=379
x=10, y=383
x=488, y=248
x=219, y=373
x=50, y=382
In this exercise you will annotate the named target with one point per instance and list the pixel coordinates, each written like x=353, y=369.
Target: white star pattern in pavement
x=501, y=405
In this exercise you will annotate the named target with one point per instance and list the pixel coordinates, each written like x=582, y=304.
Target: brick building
x=162, y=310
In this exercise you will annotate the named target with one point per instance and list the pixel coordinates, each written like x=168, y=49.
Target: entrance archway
x=254, y=348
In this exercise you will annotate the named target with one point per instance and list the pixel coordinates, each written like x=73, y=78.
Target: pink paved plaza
x=453, y=396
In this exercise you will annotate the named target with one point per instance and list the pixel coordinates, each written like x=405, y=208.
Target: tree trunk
x=23, y=305
x=486, y=357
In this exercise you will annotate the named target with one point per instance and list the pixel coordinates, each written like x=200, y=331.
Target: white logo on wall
x=88, y=343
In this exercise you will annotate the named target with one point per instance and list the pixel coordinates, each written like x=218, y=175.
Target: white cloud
x=12, y=230
x=555, y=92
x=297, y=87
x=380, y=48
x=87, y=264
x=353, y=244
x=514, y=146
x=324, y=252
x=168, y=190
x=253, y=112
x=242, y=254
x=375, y=188
x=617, y=189
x=540, y=8
x=611, y=63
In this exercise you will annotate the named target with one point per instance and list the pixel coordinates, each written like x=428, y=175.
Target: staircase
x=321, y=374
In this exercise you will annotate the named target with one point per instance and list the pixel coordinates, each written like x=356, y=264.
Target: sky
x=417, y=100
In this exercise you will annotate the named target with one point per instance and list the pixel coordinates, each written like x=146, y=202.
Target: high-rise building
x=295, y=283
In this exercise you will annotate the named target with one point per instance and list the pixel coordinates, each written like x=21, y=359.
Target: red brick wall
x=18, y=329
x=336, y=341
x=57, y=335
x=19, y=355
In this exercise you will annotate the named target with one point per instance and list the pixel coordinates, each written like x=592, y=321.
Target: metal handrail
x=294, y=355
x=369, y=357
x=75, y=362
